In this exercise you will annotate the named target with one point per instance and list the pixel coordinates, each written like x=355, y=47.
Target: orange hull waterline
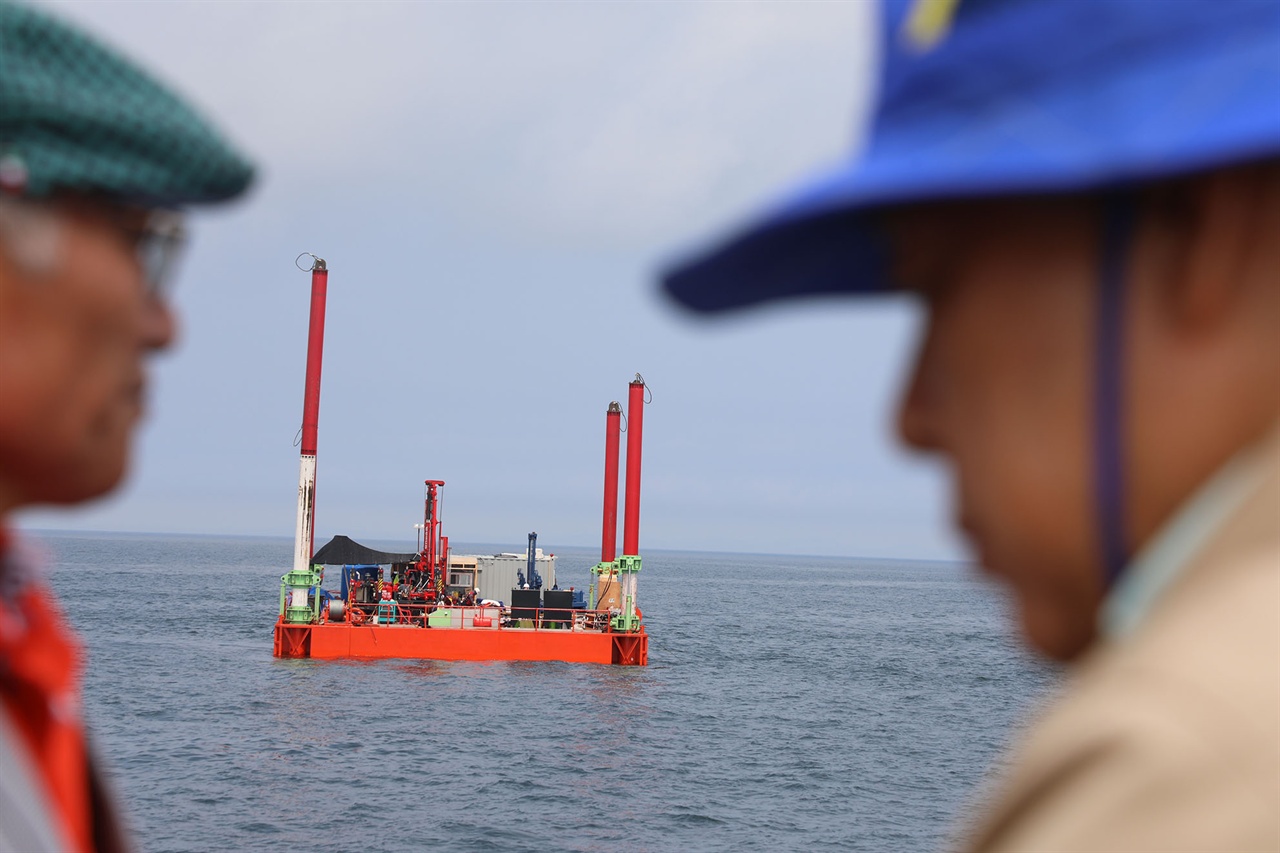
x=345, y=641
x=421, y=610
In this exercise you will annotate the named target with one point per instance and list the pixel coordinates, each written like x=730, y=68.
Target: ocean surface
x=790, y=703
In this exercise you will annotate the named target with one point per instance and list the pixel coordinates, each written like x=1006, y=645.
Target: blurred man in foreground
x=1086, y=197
x=95, y=160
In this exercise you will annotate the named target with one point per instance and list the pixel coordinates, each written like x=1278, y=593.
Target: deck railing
x=392, y=614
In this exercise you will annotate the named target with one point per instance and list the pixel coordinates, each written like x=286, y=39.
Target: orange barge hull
x=339, y=640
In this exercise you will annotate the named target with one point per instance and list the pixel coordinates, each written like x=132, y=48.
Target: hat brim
x=1081, y=126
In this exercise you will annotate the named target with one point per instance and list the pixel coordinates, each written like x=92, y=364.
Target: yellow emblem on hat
x=928, y=23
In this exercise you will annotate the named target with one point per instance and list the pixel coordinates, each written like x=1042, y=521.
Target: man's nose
x=159, y=325
x=916, y=417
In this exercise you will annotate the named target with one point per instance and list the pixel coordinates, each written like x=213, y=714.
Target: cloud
x=492, y=184
x=616, y=124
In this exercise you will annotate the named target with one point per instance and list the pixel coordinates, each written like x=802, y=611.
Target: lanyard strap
x=1118, y=217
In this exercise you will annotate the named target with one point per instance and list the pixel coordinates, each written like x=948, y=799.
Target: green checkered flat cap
x=77, y=117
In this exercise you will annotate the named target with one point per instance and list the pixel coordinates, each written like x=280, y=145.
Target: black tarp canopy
x=343, y=551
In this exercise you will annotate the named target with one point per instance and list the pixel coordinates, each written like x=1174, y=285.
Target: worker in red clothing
x=96, y=162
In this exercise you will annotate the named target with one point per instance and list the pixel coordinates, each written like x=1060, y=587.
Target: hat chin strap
x=1118, y=217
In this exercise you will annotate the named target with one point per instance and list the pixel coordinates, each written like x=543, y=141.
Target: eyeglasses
x=156, y=236
x=158, y=242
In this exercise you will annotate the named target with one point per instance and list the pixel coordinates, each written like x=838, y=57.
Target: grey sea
x=790, y=703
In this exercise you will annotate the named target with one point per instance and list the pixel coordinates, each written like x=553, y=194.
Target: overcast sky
x=494, y=186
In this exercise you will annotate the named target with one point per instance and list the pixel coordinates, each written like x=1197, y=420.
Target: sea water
x=789, y=703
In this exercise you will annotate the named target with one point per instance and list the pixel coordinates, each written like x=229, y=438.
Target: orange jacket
x=40, y=664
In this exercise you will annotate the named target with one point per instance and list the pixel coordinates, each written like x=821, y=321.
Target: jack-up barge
x=430, y=604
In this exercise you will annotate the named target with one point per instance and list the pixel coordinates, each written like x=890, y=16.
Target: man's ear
x=1210, y=222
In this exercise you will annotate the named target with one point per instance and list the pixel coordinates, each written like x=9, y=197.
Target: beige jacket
x=1170, y=739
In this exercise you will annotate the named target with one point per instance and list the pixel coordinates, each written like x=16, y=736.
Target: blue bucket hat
x=998, y=97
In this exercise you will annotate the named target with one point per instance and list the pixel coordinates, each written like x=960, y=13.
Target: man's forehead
x=117, y=210
x=930, y=239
